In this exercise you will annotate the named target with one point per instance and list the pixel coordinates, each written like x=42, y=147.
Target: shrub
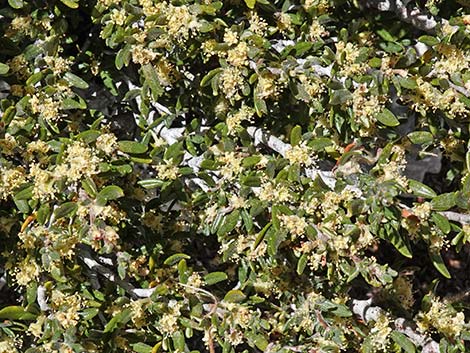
x=237, y=176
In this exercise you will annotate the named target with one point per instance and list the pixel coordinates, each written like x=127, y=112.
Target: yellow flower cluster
x=26, y=271
x=294, y=224
x=10, y=180
x=47, y=107
x=300, y=154
x=107, y=143
x=379, y=334
x=452, y=60
x=167, y=171
x=231, y=81
x=79, y=161
x=274, y=192
x=57, y=64
x=238, y=56
x=346, y=55
x=232, y=165
x=234, y=120
x=365, y=107
x=443, y=318
x=66, y=308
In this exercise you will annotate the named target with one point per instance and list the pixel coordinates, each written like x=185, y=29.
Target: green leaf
x=260, y=105
x=132, y=147
x=141, y=348
x=206, y=80
x=407, y=82
x=15, y=312
x=420, y=189
x=175, y=258
x=443, y=202
x=420, y=137
x=439, y=264
x=150, y=183
x=151, y=78
x=4, y=68
x=25, y=194
x=111, y=192
x=73, y=4
x=234, y=296
x=302, y=263
x=296, y=135
x=387, y=118
x=229, y=223
x=66, y=209
x=69, y=103
x=215, y=277
x=397, y=241
x=429, y=40
x=16, y=4
x=89, y=313
x=403, y=342
x=340, y=96
x=250, y=3
x=75, y=81
x=442, y=222
x=121, y=318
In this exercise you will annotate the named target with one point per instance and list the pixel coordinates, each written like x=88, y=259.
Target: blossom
x=107, y=143
x=300, y=154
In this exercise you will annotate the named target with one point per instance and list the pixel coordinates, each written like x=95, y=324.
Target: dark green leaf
x=111, y=192
x=74, y=80
x=16, y=4
x=439, y=264
x=215, y=277
x=234, y=296
x=175, y=258
x=403, y=342
x=250, y=3
x=67, y=209
x=340, y=96
x=229, y=223
x=151, y=78
x=387, y=118
x=296, y=135
x=15, y=312
x=141, y=348
x=420, y=189
x=132, y=147
x=442, y=222
x=4, y=69
x=73, y=4
x=429, y=40
x=443, y=202
x=420, y=137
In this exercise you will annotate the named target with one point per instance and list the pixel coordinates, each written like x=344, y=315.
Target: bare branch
x=417, y=17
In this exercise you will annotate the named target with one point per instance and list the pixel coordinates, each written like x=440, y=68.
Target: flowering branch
x=367, y=312
x=262, y=137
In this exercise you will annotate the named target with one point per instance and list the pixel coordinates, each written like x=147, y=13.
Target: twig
x=367, y=312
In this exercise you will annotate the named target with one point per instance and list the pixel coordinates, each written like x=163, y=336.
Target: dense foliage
x=236, y=176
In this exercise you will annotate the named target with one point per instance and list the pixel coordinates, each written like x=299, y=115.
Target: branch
x=456, y=217
x=417, y=17
x=367, y=312
x=94, y=266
